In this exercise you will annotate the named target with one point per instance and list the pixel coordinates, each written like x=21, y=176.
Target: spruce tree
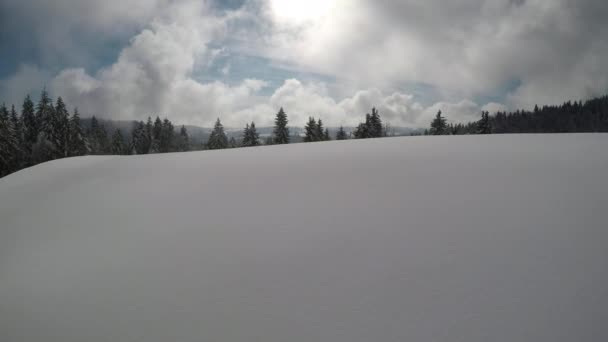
x=311, y=130
x=93, y=136
x=167, y=136
x=61, y=132
x=17, y=126
x=183, y=144
x=281, y=131
x=104, y=140
x=157, y=129
x=148, y=135
x=9, y=144
x=361, y=132
x=118, y=143
x=439, y=125
x=319, y=132
x=138, y=139
x=218, y=139
x=341, y=135
x=375, y=125
x=254, y=137
x=484, y=125
x=30, y=124
x=246, y=142
x=78, y=145
x=45, y=146
x=326, y=136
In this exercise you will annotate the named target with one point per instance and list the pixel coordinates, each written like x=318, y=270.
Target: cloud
x=553, y=48
x=367, y=53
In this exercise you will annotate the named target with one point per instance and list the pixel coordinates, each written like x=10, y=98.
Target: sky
x=241, y=60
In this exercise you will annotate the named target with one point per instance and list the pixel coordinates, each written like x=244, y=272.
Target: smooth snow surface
x=472, y=239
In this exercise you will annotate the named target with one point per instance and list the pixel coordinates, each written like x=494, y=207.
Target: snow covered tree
x=250, y=136
x=60, y=135
x=104, y=140
x=319, y=132
x=439, y=125
x=218, y=139
x=157, y=130
x=183, y=140
x=17, y=126
x=93, y=136
x=46, y=148
x=310, y=130
x=281, y=131
x=341, y=135
x=484, y=125
x=375, y=124
x=77, y=143
x=139, y=140
x=9, y=144
x=118, y=143
x=362, y=132
x=30, y=124
x=167, y=136
x=246, y=142
x=253, y=135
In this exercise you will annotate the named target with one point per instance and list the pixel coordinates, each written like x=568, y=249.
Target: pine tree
x=157, y=129
x=139, y=140
x=104, y=140
x=148, y=136
x=439, y=125
x=281, y=131
x=78, y=145
x=341, y=135
x=93, y=136
x=320, y=131
x=167, y=136
x=45, y=146
x=17, y=126
x=375, y=125
x=484, y=125
x=254, y=137
x=326, y=136
x=183, y=143
x=218, y=139
x=30, y=124
x=118, y=143
x=61, y=132
x=362, y=131
x=9, y=145
x=311, y=130
x=246, y=142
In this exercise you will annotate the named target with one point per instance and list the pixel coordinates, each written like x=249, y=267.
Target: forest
x=47, y=131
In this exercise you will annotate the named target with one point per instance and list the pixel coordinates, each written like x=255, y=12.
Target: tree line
x=569, y=117
x=46, y=131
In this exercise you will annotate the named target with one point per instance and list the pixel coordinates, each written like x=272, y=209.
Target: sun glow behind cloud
x=300, y=11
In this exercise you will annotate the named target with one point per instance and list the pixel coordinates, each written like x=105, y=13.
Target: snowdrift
x=480, y=238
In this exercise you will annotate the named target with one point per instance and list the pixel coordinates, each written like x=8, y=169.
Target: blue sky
x=242, y=59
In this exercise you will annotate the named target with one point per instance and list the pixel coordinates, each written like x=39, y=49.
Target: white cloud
x=464, y=48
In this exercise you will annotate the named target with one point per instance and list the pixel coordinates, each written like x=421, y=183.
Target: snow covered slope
x=484, y=238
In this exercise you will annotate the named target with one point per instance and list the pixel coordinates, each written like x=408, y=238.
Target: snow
x=468, y=238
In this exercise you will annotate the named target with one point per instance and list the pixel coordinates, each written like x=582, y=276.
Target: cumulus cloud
x=552, y=48
x=366, y=50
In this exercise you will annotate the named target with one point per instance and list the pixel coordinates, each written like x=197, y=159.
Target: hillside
x=459, y=238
